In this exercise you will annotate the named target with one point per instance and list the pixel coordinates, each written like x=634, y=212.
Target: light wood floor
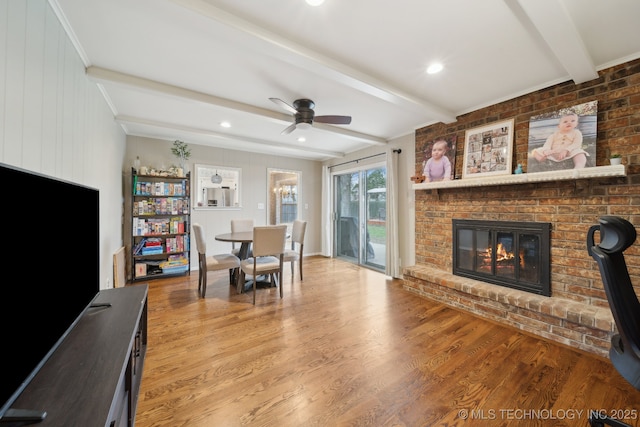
x=348, y=347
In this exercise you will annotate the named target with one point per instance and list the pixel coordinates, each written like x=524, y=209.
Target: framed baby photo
x=488, y=150
x=439, y=162
x=563, y=139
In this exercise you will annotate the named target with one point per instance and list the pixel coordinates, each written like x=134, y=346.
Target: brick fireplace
x=577, y=312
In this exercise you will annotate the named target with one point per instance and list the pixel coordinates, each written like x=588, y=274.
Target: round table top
x=238, y=236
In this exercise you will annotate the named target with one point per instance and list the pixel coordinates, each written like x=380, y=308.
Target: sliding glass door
x=360, y=232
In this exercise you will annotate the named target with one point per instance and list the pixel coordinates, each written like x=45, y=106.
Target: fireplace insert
x=507, y=253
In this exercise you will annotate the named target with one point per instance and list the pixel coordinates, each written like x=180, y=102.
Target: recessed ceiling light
x=302, y=139
x=314, y=2
x=434, y=68
x=225, y=124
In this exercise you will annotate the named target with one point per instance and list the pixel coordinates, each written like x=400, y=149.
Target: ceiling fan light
x=304, y=126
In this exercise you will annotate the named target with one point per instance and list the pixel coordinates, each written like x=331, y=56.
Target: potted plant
x=615, y=159
x=182, y=152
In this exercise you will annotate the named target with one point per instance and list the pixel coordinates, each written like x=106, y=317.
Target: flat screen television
x=50, y=252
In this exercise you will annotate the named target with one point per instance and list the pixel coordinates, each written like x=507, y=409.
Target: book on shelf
x=142, y=188
x=153, y=241
x=177, y=262
x=152, y=246
x=175, y=265
x=138, y=247
x=152, y=250
x=161, y=206
x=139, y=226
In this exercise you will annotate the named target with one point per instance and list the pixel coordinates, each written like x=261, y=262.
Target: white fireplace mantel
x=563, y=175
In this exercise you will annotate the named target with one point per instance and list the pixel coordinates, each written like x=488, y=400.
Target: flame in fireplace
x=502, y=254
x=504, y=259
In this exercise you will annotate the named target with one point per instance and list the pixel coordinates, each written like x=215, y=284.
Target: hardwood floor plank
x=348, y=346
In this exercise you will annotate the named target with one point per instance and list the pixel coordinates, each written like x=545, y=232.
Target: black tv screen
x=50, y=252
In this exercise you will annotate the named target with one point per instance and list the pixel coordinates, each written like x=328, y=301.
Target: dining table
x=245, y=238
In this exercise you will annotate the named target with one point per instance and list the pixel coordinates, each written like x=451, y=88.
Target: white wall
x=54, y=121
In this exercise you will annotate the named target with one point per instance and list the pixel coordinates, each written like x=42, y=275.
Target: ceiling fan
x=303, y=113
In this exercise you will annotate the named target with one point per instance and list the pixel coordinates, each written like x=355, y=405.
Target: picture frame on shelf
x=563, y=139
x=488, y=150
x=439, y=162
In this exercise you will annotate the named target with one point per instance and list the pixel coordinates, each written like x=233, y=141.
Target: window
x=216, y=187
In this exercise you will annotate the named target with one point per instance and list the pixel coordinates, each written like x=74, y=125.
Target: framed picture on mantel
x=439, y=162
x=563, y=139
x=488, y=150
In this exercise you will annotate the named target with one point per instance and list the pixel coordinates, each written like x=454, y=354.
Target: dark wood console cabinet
x=93, y=378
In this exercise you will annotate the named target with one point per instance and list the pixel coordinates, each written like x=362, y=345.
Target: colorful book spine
x=139, y=246
x=152, y=250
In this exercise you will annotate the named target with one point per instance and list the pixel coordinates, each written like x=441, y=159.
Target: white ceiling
x=175, y=69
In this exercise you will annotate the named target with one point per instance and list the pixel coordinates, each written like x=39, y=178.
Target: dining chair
x=268, y=256
x=212, y=262
x=240, y=225
x=297, y=238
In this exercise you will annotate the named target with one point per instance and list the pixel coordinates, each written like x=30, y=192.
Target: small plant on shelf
x=182, y=152
x=615, y=159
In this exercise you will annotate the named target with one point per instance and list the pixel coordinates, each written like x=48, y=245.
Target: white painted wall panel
x=55, y=121
x=54, y=37
x=14, y=82
x=33, y=85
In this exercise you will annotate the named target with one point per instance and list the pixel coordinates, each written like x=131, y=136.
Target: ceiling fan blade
x=334, y=120
x=284, y=105
x=289, y=129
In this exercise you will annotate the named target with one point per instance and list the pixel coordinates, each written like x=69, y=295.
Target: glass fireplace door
x=513, y=254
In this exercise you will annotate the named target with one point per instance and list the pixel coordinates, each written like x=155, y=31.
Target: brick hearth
x=577, y=325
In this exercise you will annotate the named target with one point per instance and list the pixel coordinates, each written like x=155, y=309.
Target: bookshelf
x=160, y=224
